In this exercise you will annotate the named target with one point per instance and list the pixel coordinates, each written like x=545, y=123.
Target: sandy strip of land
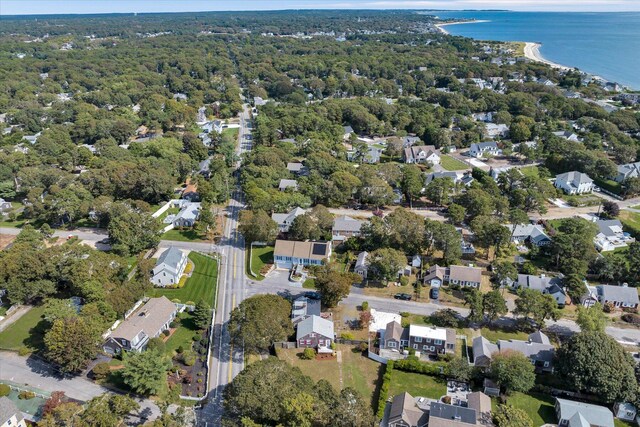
x=441, y=26
x=532, y=51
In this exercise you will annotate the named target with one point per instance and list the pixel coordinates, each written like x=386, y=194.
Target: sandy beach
x=443, y=30
x=532, y=51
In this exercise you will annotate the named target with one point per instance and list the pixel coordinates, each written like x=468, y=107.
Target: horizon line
x=309, y=10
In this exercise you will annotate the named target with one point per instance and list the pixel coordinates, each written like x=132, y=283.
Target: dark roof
x=7, y=410
x=453, y=412
x=403, y=406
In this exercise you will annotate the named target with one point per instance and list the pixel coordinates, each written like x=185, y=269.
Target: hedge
x=412, y=364
x=384, y=389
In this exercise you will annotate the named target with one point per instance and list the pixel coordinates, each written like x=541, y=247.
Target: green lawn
x=309, y=284
x=188, y=235
x=531, y=171
x=200, y=286
x=417, y=385
x=452, y=164
x=539, y=407
x=631, y=221
x=494, y=335
x=27, y=331
x=260, y=256
x=231, y=132
x=183, y=335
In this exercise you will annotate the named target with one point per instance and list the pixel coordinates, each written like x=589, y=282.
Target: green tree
x=592, y=319
x=473, y=299
x=71, y=342
x=439, y=190
x=305, y=227
x=333, y=284
x=456, y=213
x=55, y=308
x=594, y=363
x=131, y=231
x=510, y=416
x=300, y=410
x=505, y=272
x=494, y=305
x=108, y=410
x=259, y=321
x=351, y=410
x=202, y=314
x=459, y=369
x=412, y=182
x=534, y=305
x=145, y=373
x=513, y=371
x=257, y=226
x=385, y=263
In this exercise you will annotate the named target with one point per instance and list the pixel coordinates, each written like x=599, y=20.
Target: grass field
x=417, y=385
x=260, y=256
x=183, y=335
x=452, y=164
x=531, y=171
x=539, y=407
x=631, y=221
x=188, y=235
x=200, y=286
x=494, y=335
x=231, y=132
x=27, y=331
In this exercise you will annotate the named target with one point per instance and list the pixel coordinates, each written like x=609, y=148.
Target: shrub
x=346, y=336
x=308, y=354
x=404, y=281
x=23, y=351
x=188, y=358
x=195, y=337
x=447, y=400
x=26, y=395
x=166, y=333
x=363, y=346
x=190, y=303
x=101, y=370
x=157, y=344
x=384, y=388
x=405, y=314
x=180, y=350
x=174, y=324
x=631, y=318
x=199, y=380
x=4, y=390
x=187, y=379
x=365, y=306
x=333, y=345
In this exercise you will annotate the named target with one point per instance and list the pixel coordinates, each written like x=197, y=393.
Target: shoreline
x=441, y=28
x=532, y=52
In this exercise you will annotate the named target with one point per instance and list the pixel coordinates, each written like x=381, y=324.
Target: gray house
x=361, y=264
x=630, y=170
x=303, y=308
x=618, y=296
x=4, y=205
x=405, y=412
x=344, y=227
x=578, y=414
x=425, y=340
x=284, y=220
x=315, y=332
x=483, y=349
x=188, y=215
x=169, y=267
x=288, y=183
x=537, y=348
x=10, y=415
x=134, y=333
x=544, y=284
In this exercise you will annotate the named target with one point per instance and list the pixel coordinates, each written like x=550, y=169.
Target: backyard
x=186, y=235
x=452, y=164
x=261, y=256
x=28, y=331
x=539, y=407
x=200, y=286
x=417, y=385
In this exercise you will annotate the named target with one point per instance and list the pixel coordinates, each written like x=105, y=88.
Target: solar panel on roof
x=319, y=248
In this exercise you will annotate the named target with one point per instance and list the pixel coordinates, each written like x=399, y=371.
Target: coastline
x=532, y=52
x=441, y=28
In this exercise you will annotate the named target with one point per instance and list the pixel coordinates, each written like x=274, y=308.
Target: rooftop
x=149, y=319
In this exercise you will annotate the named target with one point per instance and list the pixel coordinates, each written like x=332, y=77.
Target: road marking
x=234, y=268
x=230, y=374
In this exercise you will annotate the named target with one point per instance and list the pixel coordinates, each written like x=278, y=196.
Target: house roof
x=428, y=332
x=361, y=262
x=403, y=406
x=618, y=293
x=539, y=337
x=171, y=258
x=450, y=413
x=189, y=211
x=610, y=227
x=591, y=414
x=286, y=183
x=348, y=129
x=574, y=177
x=480, y=146
x=281, y=218
x=393, y=331
x=315, y=324
x=539, y=283
x=543, y=352
x=414, y=150
x=482, y=404
x=295, y=167
x=303, y=306
x=7, y=410
x=149, y=319
x=483, y=347
x=304, y=250
x=465, y=274
x=455, y=176
x=346, y=223
x=436, y=271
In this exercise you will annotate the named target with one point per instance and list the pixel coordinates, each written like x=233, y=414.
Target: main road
x=227, y=360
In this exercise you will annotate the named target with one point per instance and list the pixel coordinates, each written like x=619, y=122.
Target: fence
x=162, y=210
x=377, y=358
x=284, y=344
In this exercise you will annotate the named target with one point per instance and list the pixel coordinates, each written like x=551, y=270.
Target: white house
x=284, y=220
x=421, y=154
x=569, y=136
x=4, y=205
x=290, y=253
x=630, y=170
x=611, y=235
x=493, y=130
x=288, y=183
x=169, y=267
x=361, y=267
x=10, y=415
x=523, y=233
x=574, y=182
x=481, y=149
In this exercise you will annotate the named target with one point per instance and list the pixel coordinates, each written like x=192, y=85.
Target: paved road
x=38, y=374
x=227, y=361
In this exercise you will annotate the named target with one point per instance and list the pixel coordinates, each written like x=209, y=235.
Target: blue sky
x=12, y=7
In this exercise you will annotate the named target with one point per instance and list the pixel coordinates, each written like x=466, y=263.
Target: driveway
x=36, y=373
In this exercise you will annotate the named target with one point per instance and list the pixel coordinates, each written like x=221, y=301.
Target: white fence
x=162, y=210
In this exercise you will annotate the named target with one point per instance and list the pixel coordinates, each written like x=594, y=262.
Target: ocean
x=604, y=44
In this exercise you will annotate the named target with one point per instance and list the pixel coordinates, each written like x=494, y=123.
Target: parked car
x=434, y=293
x=404, y=297
x=312, y=295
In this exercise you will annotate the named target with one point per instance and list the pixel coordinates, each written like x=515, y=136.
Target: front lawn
x=260, y=257
x=452, y=164
x=28, y=331
x=539, y=407
x=531, y=171
x=494, y=334
x=417, y=385
x=187, y=235
x=232, y=132
x=200, y=286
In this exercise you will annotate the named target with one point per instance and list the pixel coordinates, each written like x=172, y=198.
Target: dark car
x=405, y=297
x=434, y=293
x=312, y=295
